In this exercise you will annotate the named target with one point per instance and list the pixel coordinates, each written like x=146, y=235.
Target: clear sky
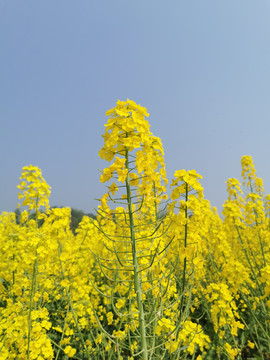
x=201, y=68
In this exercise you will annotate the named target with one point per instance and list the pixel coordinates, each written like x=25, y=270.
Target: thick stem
x=33, y=290
x=185, y=245
x=137, y=280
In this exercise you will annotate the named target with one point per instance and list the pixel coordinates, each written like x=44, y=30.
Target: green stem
x=185, y=245
x=137, y=280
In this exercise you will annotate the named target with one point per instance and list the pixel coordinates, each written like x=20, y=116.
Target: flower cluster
x=35, y=192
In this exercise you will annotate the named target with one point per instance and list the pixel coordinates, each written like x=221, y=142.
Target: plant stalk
x=137, y=280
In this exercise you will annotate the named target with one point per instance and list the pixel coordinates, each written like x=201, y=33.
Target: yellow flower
x=120, y=303
x=109, y=317
x=251, y=344
x=69, y=351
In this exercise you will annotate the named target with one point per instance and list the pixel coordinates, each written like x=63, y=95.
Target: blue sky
x=201, y=68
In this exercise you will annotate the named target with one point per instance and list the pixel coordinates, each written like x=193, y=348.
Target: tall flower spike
x=35, y=192
x=134, y=235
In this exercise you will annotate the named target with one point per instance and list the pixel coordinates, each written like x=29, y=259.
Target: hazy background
x=200, y=67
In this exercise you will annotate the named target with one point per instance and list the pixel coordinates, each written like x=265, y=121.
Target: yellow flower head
x=35, y=192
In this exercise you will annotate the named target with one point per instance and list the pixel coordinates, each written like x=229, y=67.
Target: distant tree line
x=76, y=217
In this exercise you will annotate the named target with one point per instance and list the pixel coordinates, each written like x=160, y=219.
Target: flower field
x=158, y=275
